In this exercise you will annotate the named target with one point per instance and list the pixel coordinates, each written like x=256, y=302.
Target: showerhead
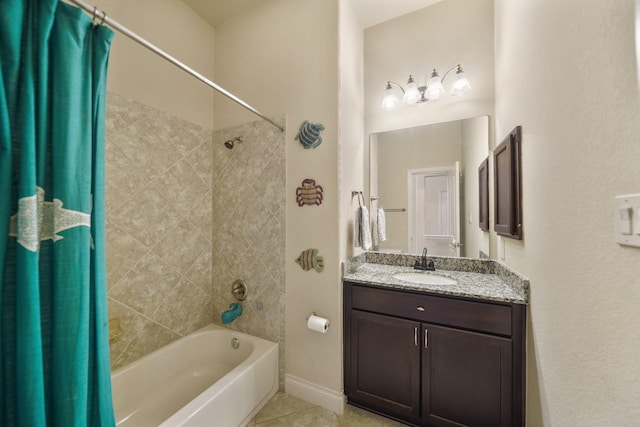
x=229, y=143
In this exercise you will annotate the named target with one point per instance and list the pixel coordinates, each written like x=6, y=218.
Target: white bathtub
x=198, y=380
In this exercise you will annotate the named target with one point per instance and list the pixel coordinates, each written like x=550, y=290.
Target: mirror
x=426, y=181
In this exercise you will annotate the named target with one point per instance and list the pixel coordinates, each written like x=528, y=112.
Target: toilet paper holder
x=317, y=323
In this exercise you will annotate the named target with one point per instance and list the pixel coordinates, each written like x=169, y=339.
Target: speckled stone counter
x=477, y=278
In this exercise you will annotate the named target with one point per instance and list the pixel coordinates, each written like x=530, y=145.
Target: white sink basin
x=425, y=278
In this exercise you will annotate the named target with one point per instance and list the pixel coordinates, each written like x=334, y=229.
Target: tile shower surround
x=168, y=201
x=159, y=225
x=249, y=228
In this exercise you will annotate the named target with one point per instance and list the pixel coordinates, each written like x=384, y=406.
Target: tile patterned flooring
x=284, y=410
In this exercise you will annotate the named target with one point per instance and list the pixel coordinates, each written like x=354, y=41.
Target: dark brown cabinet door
x=508, y=186
x=483, y=193
x=385, y=364
x=466, y=378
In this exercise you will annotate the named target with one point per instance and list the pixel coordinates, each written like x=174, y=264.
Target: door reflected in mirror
x=426, y=181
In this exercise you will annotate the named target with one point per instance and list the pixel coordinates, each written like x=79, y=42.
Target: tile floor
x=284, y=410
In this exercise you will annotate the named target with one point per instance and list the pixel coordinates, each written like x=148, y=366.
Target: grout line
x=287, y=415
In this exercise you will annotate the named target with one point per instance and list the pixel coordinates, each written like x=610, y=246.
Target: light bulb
x=411, y=94
x=390, y=100
x=460, y=83
x=434, y=87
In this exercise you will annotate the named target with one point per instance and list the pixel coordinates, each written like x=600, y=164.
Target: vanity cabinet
x=432, y=360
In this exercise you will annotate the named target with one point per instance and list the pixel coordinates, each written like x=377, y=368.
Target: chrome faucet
x=423, y=264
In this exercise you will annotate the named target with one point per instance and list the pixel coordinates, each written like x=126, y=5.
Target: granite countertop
x=478, y=279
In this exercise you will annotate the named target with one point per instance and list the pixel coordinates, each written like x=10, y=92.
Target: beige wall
x=282, y=57
x=566, y=72
x=136, y=73
x=440, y=36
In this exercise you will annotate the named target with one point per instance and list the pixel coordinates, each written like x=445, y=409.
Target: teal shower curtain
x=54, y=346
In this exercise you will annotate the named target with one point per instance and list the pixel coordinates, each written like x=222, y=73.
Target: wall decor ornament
x=309, y=259
x=309, y=193
x=309, y=134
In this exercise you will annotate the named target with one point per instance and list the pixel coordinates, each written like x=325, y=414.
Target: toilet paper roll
x=318, y=324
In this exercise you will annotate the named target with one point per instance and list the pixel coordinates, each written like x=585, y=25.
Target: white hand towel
x=361, y=229
x=366, y=229
x=357, y=228
x=379, y=227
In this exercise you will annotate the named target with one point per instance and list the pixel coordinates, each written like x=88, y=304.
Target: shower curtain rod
x=101, y=17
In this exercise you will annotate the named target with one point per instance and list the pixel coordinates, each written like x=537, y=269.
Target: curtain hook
x=96, y=16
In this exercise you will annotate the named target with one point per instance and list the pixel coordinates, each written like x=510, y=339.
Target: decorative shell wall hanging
x=309, y=259
x=309, y=193
x=309, y=134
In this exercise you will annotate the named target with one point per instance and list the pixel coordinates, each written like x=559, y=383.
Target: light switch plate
x=627, y=220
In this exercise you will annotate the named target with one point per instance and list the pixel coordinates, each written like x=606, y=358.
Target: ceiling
x=368, y=12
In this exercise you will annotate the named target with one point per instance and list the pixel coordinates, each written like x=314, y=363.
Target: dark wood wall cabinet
x=483, y=192
x=430, y=360
x=508, y=186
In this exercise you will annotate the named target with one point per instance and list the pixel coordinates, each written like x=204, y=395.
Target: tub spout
x=235, y=310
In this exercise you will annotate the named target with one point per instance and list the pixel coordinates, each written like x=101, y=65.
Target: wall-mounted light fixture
x=431, y=91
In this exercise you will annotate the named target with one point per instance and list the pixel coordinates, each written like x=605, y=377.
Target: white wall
x=138, y=74
x=566, y=72
x=475, y=149
x=351, y=116
x=282, y=57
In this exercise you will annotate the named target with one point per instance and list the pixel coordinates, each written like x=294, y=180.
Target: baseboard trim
x=314, y=393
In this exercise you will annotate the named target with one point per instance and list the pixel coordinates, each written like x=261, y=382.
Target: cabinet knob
x=420, y=308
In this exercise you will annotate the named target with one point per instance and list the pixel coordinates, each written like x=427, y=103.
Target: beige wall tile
x=123, y=252
x=123, y=178
x=185, y=309
x=146, y=285
x=151, y=338
x=159, y=227
x=181, y=246
x=147, y=216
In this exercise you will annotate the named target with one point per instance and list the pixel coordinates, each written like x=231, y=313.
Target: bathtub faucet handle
x=239, y=290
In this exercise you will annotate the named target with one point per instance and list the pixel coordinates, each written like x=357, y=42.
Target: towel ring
x=359, y=194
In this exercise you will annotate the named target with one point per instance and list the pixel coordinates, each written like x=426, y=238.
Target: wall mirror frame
x=396, y=154
x=508, y=186
x=483, y=195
